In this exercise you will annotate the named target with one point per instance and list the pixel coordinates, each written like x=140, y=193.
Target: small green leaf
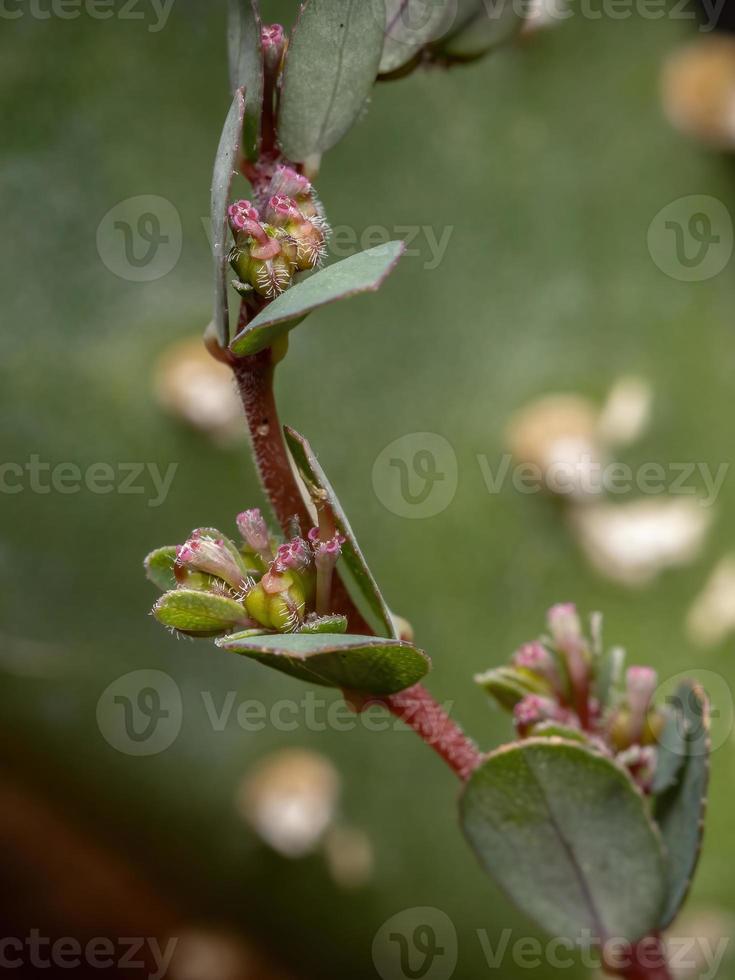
x=679, y=810
x=331, y=63
x=411, y=24
x=367, y=664
x=509, y=685
x=225, y=166
x=325, y=624
x=482, y=26
x=323, y=496
x=566, y=834
x=246, y=67
x=159, y=567
x=361, y=273
x=199, y=613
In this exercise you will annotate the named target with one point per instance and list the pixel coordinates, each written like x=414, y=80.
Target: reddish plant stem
x=254, y=376
x=418, y=709
x=415, y=706
x=646, y=961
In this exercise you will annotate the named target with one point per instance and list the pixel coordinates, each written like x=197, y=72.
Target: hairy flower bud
x=254, y=532
x=203, y=553
x=294, y=555
x=290, y=183
x=239, y=215
x=277, y=602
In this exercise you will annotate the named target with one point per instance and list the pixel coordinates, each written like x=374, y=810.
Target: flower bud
x=535, y=658
x=277, y=602
x=290, y=183
x=532, y=710
x=254, y=531
x=294, y=555
x=273, y=41
x=280, y=209
x=239, y=215
x=564, y=625
x=202, y=553
x=326, y=554
x=260, y=260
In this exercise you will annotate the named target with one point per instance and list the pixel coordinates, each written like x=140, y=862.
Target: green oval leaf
x=323, y=496
x=199, y=613
x=509, y=685
x=679, y=810
x=361, y=273
x=159, y=567
x=225, y=167
x=331, y=63
x=482, y=26
x=245, y=51
x=410, y=25
x=566, y=834
x=367, y=664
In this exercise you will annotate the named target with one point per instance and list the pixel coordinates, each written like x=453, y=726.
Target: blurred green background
x=548, y=161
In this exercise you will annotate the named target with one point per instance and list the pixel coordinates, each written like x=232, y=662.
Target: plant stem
x=418, y=709
x=415, y=706
x=254, y=376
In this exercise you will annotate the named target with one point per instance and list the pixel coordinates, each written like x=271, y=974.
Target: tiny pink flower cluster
x=269, y=586
x=563, y=684
x=288, y=235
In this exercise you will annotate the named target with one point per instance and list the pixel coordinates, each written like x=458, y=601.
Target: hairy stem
x=254, y=376
x=416, y=707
